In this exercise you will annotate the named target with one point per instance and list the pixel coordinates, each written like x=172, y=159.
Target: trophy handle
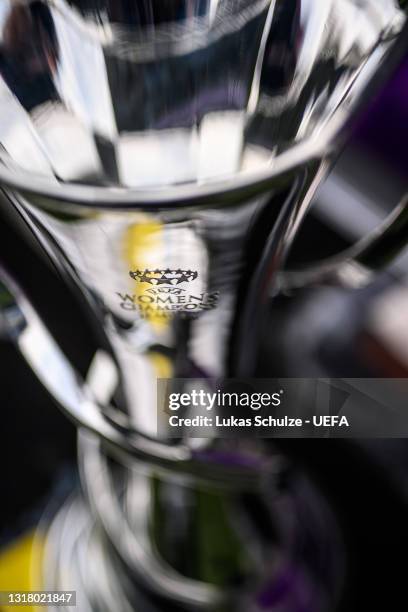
x=355, y=267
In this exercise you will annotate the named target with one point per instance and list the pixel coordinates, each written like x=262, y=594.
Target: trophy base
x=75, y=560
x=79, y=557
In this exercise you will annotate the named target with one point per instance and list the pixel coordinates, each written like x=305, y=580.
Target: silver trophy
x=164, y=154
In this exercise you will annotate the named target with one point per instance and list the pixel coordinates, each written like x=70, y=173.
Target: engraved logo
x=166, y=296
x=164, y=277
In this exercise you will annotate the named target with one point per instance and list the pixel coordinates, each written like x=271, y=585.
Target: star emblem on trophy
x=159, y=277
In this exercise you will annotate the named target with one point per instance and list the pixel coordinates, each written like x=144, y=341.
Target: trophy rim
x=70, y=196
x=76, y=197
x=73, y=196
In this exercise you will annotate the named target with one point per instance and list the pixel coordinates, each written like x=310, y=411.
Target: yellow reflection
x=162, y=365
x=16, y=567
x=144, y=247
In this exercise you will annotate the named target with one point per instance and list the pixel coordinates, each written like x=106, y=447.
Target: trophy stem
x=262, y=282
x=154, y=523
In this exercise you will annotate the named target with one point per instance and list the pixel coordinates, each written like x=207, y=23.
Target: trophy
x=164, y=155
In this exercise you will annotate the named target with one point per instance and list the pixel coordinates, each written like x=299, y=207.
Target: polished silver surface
x=20, y=323
x=117, y=481
x=165, y=155
x=153, y=102
x=356, y=267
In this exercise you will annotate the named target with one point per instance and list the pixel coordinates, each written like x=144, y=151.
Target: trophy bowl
x=164, y=155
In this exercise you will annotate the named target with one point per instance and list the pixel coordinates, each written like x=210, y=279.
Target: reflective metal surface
x=88, y=555
x=165, y=155
x=154, y=95
x=356, y=267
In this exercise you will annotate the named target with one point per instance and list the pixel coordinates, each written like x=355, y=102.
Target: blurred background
x=319, y=332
